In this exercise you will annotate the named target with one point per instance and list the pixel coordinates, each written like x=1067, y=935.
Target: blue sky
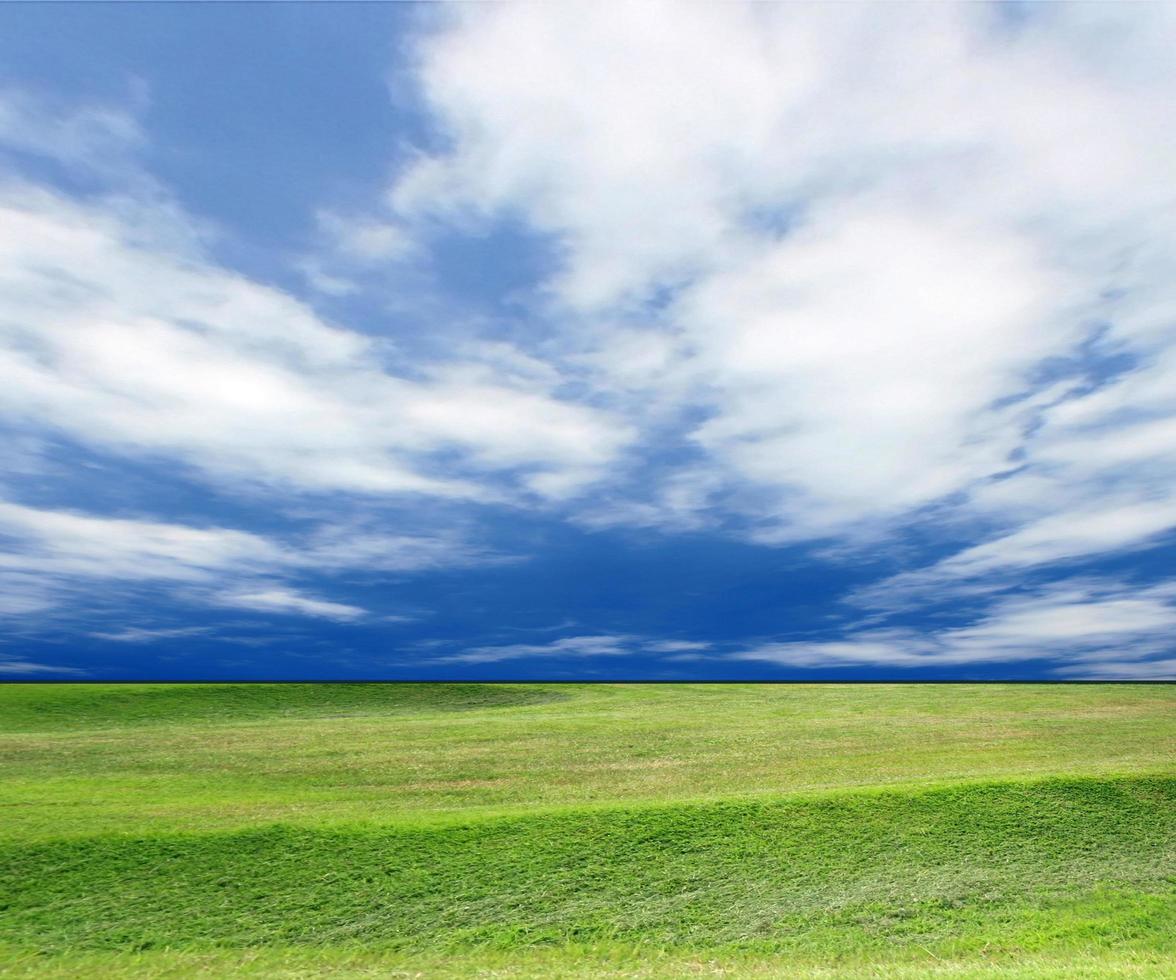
x=607, y=342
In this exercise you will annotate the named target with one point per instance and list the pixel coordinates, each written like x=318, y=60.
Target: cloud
x=49, y=557
x=590, y=645
x=1077, y=532
x=363, y=240
x=367, y=545
x=1116, y=670
x=23, y=593
x=136, y=634
x=1081, y=626
x=676, y=646
x=117, y=330
x=280, y=600
x=862, y=292
x=29, y=667
x=59, y=561
x=1098, y=480
x=65, y=543
x=87, y=136
x=835, y=292
x=602, y=645
x=351, y=246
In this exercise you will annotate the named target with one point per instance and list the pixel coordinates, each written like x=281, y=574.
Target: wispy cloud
x=29, y=667
x=48, y=555
x=68, y=543
x=138, y=634
x=590, y=645
x=1115, y=669
x=600, y=645
x=1074, y=625
x=677, y=646
x=87, y=136
x=280, y=600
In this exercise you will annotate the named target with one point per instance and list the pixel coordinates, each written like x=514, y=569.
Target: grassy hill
x=577, y=830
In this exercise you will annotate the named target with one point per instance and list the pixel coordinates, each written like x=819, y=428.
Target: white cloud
x=86, y=136
x=138, y=634
x=366, y=545
x=601, y=645
x=23, y=593
x=280, y=600
x=590, y=645
x=64, y=543
x=859, y=269
x=350, y=246
x=50, y=556
x=29, y=667
x=1116, y=670
x=363, y=240
x=116, y=329
x=1074, y=625
x=51, y=561
x=857, y=360
x=676, y=646
x=870, y=227
x=1075, y=533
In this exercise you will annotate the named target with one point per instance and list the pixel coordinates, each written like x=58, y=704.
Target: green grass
x=577, y=830
x=38, y=708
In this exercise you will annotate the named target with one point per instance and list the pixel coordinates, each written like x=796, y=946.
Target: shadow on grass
x=52, y=707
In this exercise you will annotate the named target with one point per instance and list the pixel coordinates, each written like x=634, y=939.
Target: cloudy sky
x=604, y=341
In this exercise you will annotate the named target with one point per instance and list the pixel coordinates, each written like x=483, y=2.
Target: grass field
x=578, y=830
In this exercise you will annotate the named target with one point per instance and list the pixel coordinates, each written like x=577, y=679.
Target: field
x=582, y=831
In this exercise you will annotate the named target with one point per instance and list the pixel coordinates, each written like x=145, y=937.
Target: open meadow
x=587, y=830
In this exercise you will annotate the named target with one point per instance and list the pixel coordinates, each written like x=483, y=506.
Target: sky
x=623, y=341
